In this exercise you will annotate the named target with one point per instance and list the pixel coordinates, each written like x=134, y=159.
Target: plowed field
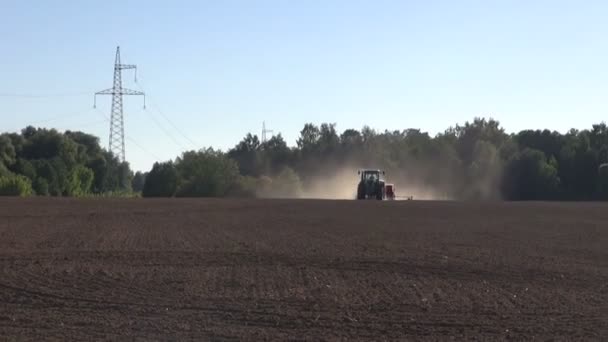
x=301, y=269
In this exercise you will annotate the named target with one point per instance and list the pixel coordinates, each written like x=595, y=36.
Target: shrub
x=245, y=186
x=286, y=184
x=41, y=186
x=15, y=185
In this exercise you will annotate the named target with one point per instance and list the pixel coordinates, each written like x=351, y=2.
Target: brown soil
x=301, y=269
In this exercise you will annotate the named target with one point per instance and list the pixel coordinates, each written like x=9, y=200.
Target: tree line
x=46, y=162
x=477, y=160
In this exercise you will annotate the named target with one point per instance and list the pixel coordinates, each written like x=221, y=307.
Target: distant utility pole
x=117, y=127
x=264, y=132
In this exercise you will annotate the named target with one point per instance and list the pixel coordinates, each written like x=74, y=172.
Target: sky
x=215, y=70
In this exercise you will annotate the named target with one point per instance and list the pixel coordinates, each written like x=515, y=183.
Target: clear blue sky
x=219, y=68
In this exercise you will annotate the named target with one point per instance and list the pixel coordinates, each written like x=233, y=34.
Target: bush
x=286, y=184
x=41, y=187
x=15, y=185
x=114, y=194
x=245, y=186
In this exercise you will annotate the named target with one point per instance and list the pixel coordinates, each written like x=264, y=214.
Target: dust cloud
x=341, y=183
x=431, y=180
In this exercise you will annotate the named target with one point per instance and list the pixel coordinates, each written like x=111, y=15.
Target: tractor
x=371, y=185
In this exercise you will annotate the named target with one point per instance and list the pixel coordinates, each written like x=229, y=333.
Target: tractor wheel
x=360, y=192
x=380, y=193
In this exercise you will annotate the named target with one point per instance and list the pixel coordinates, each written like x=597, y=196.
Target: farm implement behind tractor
x=373, y=186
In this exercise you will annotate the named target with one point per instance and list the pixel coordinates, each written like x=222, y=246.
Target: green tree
x=26, y=168
x=206, y=173
x=546, y=141
x=275, y=154
x=47, y=171
x=162, y=181
x=480, y=129
x=328, y=140
x=80, y=181
x=139, y=180
x=7, y=151
x=111, y=175
x=529, y=176
x=309, y=137
x=474, y=160
x=41, y=187
x=247, y=155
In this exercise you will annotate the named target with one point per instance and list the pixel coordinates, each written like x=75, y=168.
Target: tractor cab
x=371, y=185
x=371, y=175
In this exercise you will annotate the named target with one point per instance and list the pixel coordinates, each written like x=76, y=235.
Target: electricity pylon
x=264, y=132
x=117, y=127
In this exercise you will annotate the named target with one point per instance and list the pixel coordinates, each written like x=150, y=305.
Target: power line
x=177, y=129
x=106, y=119
x=90, y=124
x=59, y=117
x=143, y=148
x=40, y=96
x=117, y=132
x=157, y=123
x=139, y=84
x=167, y=133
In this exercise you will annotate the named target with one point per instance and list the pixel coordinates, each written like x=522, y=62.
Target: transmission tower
x=264, y=131
x=117, y=127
